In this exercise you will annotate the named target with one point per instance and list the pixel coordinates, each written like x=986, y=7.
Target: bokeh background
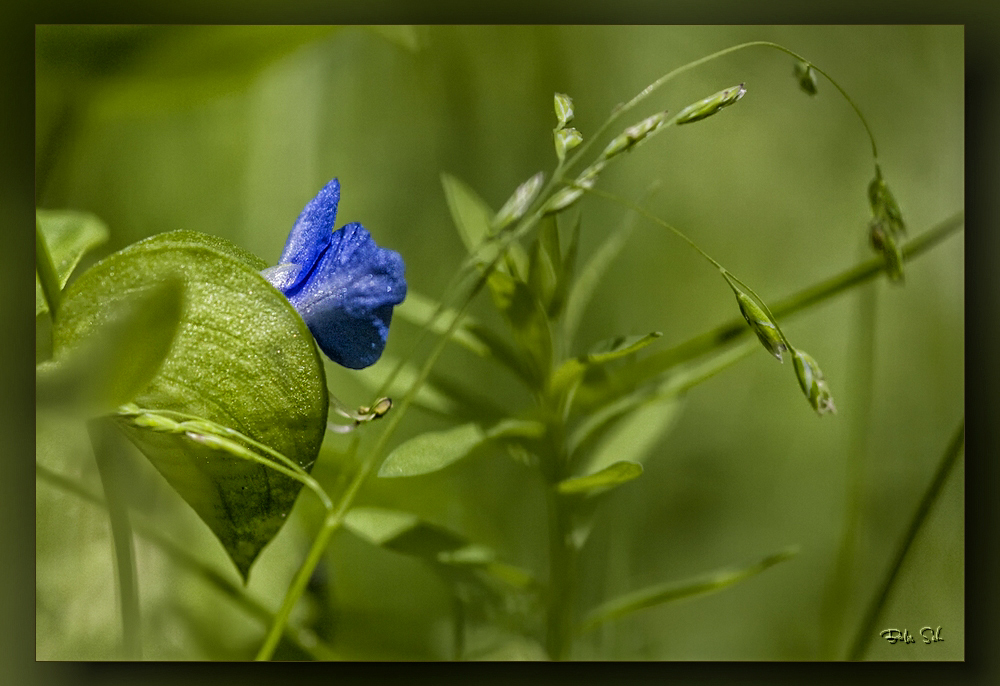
x=231, y=130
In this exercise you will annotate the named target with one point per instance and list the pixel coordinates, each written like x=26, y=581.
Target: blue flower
x=341, y=282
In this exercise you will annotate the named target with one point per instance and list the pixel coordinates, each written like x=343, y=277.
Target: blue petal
x=347, y=297
x=310, y=236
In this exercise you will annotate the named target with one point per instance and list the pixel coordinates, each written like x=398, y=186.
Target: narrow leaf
x=527, y=318
x=120, y=357
x=68, y=236
x=633, y=435
x=471, y=214
x=664, y=593
x=542, y=276
x=432, y=451
x=516, y=428
x=403, y=532
x=590, y=276
x=573, y=369
x=610, y=477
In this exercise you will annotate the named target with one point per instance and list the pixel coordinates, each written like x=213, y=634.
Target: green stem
x=948, y=461
x=558, y=622
x=46, y=271
x=304, y=639
x=106, y=445
x=837, y=596
x=646, y=92
x=804, y=299
x=334, y=519
x=458, y=607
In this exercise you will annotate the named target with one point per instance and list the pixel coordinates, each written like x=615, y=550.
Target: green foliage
x=432, y=451
x=242, y=358
x=213, y=376
x=668, y=592
x=610, y=477
x=68, y=236
x=117, y=359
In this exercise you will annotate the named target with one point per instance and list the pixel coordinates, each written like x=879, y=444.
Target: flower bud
x=633, y=135
x=886, y=225
x=883, y=204
x=518, y=203
x=806, y=76
x=710, y=105
x=570, y=194
x=812, y=383
x=762, y=325
x=564, y=109
x=885, y=243
x=566, y=140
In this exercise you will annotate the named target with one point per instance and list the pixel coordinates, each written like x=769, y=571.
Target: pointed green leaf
x=242, y=358
x=542, y=276
x=664, y=593
x=632, y=435
x=69, y=236
x=402, y=532
x=612, y=476
x=527, y=319
x=585, y=286
x=566, y=266
x=406, y=533
x=516, y=428
x=432, y=451
x=379, y=525
x=120, y=357
x=612, y=349
x=471, y=214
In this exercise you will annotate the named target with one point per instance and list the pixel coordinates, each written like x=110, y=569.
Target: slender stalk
x=46, y=271
x=304, y=639
x=108, y=455
x=335, y=518
x=948, y=461
x=797, y=302
x=458, y=608
x=837, y=596
x=646, y=92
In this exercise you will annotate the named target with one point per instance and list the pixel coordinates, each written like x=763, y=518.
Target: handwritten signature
x=928, y=634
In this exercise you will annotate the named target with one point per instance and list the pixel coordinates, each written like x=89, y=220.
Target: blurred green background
x=231, y=130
